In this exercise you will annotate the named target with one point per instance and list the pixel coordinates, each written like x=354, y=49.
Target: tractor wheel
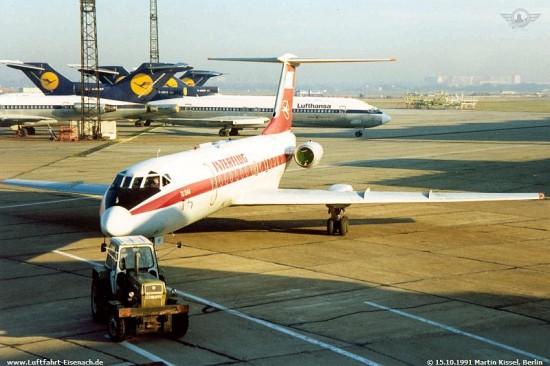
x=98, y=303
x=117, y=328
x=180, y=324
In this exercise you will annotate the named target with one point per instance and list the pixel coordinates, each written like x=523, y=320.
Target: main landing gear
x=338, y=223
x=231, y=132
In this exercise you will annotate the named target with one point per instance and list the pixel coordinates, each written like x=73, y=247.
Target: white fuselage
x=307, y=111
x=61, y=108
x=195, y=184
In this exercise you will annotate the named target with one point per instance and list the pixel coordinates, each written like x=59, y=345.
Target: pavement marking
x=144, y=353
x=279, y=328
x=44, y=202
x=264, y=323
x=93, y=263
x=459, y=332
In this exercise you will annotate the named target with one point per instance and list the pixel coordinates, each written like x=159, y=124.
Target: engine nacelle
x=163, y=108
x=103, y=108
x=308, y=154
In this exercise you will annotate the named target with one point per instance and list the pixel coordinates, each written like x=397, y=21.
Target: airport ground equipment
x=129, y=292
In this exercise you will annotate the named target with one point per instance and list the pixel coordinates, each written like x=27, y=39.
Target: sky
x=428, y=37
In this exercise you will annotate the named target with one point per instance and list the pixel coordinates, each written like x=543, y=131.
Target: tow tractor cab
x=130, y=292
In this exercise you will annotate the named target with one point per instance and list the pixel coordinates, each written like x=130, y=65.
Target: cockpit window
x=129, y=191
x=137, y=182
x=152, y=181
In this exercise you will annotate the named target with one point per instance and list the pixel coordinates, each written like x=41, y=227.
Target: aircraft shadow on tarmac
x=530, y=131
x=480, y=176
x=317, y=305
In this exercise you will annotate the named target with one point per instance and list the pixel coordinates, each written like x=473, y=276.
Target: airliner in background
x=161, y=195
x=238, y=112
x=125, y=100
x=178, y=103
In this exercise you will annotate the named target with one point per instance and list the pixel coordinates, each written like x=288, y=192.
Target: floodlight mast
x=153, y=34
x=90, y=123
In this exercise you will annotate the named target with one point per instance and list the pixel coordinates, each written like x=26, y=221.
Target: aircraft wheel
x=234, y=132
x=344, y=226
x=22, y=132
x=31, y=131
x=223, y=132
x=358, y=133
x=330, y=227
x=147, y=123
x=138, y=124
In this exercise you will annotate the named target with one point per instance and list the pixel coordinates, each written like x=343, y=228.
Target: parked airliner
x=176, y=102
x=125, y=100
x=164, y=194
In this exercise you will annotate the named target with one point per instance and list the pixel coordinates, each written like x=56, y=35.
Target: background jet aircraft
x=164, y=194
x=173, y=88
x=125, y=100
x=175, y=103
x=237, y=112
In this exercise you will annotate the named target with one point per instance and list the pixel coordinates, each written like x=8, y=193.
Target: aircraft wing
x=74, y=187
x=343, y=198
x=223, y=120
x=25, y=121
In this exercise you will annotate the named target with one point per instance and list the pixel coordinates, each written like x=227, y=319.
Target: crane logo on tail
x=49, y=81
x=142, y=84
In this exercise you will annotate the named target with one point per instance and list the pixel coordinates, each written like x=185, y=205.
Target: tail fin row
x=282, y=113
x=139, y=86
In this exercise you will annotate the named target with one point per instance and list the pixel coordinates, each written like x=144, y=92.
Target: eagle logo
x=520, y=18
x=285, y=109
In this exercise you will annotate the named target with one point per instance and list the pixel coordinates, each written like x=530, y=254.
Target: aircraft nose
x=385, y=118
x=116, y=221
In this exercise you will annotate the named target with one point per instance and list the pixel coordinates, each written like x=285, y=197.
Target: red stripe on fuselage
x=160, y=200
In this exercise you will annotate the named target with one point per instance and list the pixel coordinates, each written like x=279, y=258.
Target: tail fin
x=198, y=77
x=49, y=81
x=143, y=84
x=282, y=113
x=108, y=75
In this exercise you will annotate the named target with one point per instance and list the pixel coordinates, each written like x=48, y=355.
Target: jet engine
x=163, y=108
x=308, y=154
x=103, y=108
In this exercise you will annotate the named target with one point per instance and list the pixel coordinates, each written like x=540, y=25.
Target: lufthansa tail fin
x=282, y=113
x=48, y=80
x=198, y=77
x=108, y=75
x=143, y=84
